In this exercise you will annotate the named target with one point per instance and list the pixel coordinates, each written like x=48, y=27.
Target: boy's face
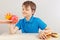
x=27, y=11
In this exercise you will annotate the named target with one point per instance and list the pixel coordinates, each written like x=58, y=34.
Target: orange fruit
x=8, y=16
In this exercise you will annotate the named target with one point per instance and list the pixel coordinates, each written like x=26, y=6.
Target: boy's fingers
x=40, y=36
x=44, y=36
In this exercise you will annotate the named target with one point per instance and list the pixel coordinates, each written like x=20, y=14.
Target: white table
x=21, y=36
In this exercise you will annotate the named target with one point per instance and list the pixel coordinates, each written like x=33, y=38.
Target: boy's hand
x=43, y=34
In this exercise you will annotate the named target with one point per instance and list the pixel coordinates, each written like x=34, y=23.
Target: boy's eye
x=25, y=9
x=22, y=9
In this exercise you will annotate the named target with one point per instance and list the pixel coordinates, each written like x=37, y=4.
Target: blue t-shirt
x=31, y=26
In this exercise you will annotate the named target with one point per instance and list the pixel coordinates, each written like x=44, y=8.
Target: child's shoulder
x=36, y=18
x=20, y=20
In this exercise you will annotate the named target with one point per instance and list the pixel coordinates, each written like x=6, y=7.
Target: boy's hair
x=31, y=4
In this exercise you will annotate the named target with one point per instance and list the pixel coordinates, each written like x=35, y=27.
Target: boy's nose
x=24, y=12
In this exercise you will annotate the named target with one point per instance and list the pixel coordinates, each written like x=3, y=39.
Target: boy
x=30, y=24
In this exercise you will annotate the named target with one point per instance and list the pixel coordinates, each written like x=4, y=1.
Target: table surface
x=22, y=36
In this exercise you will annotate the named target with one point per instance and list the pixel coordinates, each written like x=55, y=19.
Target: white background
x=47, y=10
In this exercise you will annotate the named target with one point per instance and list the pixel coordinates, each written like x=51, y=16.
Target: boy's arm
x=47, y=30
x=12, y=29
x=5, y=21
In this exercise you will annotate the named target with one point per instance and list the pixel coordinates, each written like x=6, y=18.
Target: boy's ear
x=33, y=12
